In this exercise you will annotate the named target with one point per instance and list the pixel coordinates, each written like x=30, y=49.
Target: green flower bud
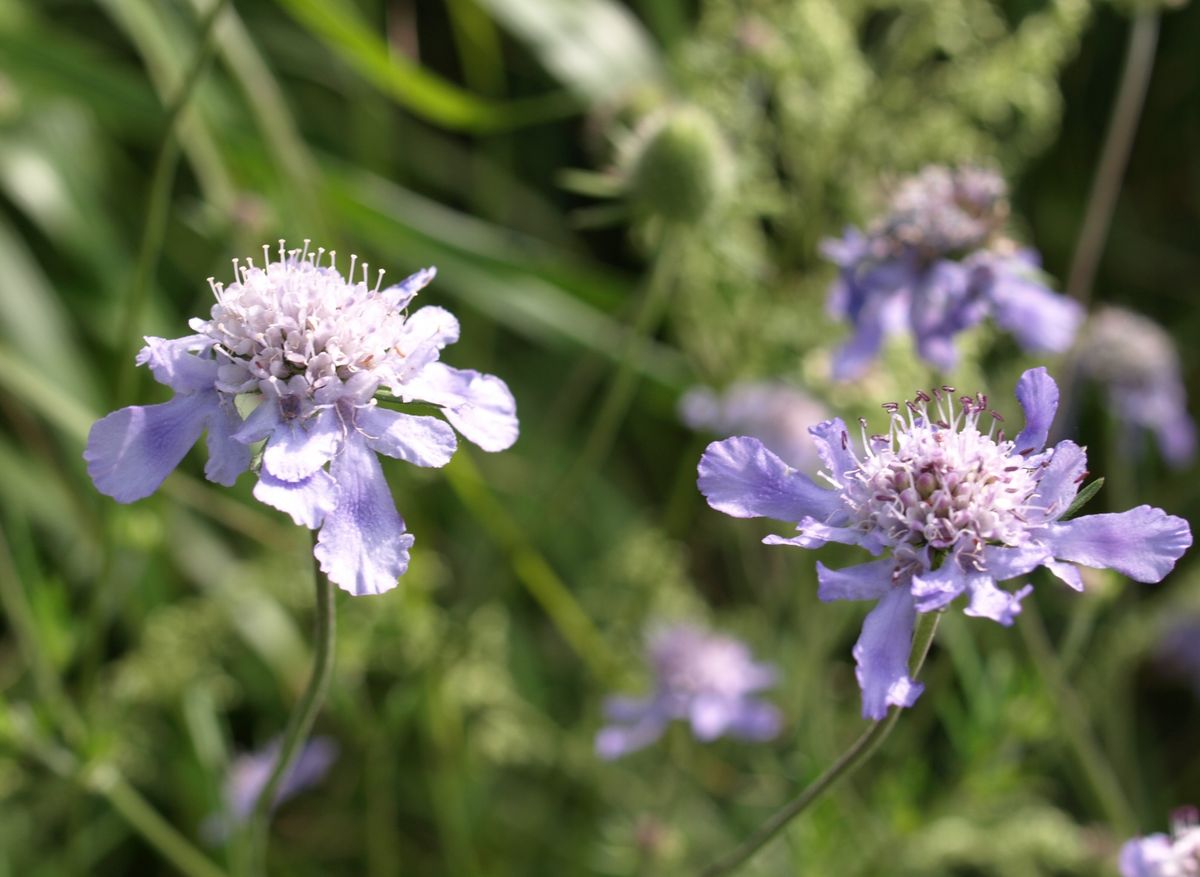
x=680, y=167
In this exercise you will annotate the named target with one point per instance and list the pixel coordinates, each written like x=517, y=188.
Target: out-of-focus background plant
x=625, y=201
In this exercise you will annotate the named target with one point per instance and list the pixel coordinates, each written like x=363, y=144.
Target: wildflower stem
x=1114, y=155
x=860, y=750
x=165, y=163
x=305, y=713
x=1096, y=767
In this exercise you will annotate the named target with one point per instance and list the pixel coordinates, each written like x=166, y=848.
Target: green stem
x=301, y=721
x=1114, y=156
x=860, y=750
x=1096, y=767
x=162, y=176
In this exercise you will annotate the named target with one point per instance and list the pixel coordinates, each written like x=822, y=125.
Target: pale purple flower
x=312, y=349
x=248, y=776
x=1161, y=855
x=704, y=678
x=773, y=412
x=935, y=265
x=948, y=508
x=1135, y=360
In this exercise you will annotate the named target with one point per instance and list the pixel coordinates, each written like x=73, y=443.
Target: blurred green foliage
x=462, y=134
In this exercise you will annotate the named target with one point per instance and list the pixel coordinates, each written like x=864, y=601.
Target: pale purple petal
x=479, y=406
x=227, y=458
x=260, y=423
x=626, y=709
x=1066, y=572
x=249, y=774
x=939, y=310
x=812, y=533
x=882, y=653
x=400, y=294
x=1060, y=481
x=1003, y=563
x=740, y=477
x=935, y=588
x=423, y=441
x=131, y=451
x=1041, y=320
x=426, y=332
x=1142, y=543
x=833, y=444
x=711, y=715
x=1145, y=856
x=853, y=357
x=297, y=448
x=988, y=601
x=866, y=581
x=1038, y=394
x=306, y=501
x=362, y=545
x=174, y=362
x=757, y=720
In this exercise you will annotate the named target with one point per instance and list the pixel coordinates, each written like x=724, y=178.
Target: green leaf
x=1082, y=498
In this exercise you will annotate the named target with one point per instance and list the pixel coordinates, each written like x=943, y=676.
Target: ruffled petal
x=131, y=451
x=306, y=501
x=423, y=441
x=936, y=588
x=833, y=444
x=1042, y=321
x=362, y=545
x=988, y=601
x=1067, y=573
x=882, y=653
x=1038, y=394
x=426, y=332
x=174, y=362
x=227, y=458
x=866, y=581
x=399, y=295
x=259, y=423
x=812, y=533
x=1003, y=563
x=298, y=448
x=479, y=406
x=1060, y=481
x=740, y=477
x=1142, y=543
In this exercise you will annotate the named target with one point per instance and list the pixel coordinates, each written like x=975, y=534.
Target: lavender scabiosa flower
x=1161, y=855
x=1135, y=360
x=705, y=678
x=937, y=263
x=312, y=348
x=248, y=775
x=950, y=506
x=774, y=412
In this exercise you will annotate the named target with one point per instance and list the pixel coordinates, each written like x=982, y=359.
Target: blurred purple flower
x=312, y=349
x=248, y=776
x=705, y=678
x=775, y=413
x=948, y=508
x=1136, y=361
x=1161, y=855
x=936, y=264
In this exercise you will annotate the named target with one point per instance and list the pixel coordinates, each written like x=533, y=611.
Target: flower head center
x=298, y=317
x=936, y=480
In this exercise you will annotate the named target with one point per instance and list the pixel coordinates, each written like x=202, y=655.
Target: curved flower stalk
x=772, y=411
x=706, y=679
x=936, y=264
x=950, y=507
x=1136, y=362
x=1162, y=855
x=311, y=349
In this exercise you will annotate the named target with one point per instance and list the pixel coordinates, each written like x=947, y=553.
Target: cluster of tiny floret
x=939, y=481
x=297, y=316
x=943, y=211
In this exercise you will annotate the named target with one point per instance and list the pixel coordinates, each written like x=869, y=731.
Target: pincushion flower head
x=1136, y=362
x=949, y=506
x=706, y=679
x=312, y=349
x=1162, y=855
x=935, y=264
